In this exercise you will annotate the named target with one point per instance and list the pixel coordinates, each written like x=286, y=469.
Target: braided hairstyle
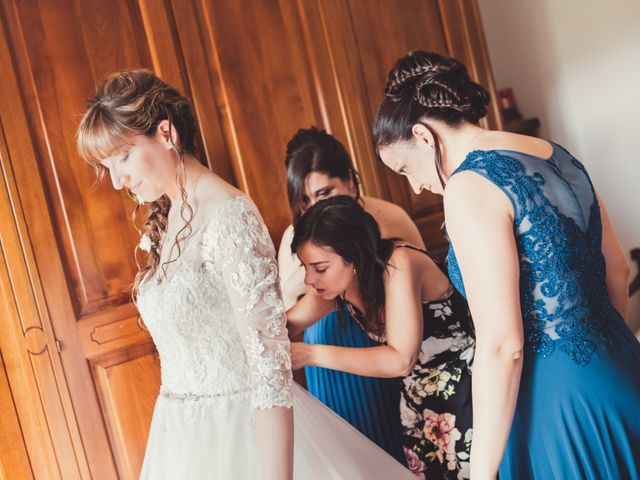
x=422, y=86
x=129, y=103
x=313, y=150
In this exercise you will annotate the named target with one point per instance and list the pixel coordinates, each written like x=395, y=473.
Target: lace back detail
x=558, y=231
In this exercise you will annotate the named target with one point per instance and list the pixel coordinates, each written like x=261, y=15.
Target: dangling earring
x=139, y=199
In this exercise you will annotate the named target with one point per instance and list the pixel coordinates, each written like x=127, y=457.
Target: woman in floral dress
x=435, y=403
x=420, y=325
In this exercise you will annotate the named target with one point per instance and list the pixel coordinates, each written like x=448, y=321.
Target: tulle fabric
x=191, y=440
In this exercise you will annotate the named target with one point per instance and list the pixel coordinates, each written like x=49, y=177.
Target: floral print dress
x=435, y=402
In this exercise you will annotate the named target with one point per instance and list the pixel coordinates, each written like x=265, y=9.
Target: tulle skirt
x=193, y=441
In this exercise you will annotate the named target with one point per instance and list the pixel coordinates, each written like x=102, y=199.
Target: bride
x=208, y=294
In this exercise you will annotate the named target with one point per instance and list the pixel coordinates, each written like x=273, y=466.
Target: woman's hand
x=301, y=355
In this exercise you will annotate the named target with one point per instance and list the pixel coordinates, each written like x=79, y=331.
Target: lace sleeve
x=238, y=243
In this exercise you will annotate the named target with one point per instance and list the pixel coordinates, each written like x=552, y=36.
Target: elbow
x=405, y=365
x=504, y=351
x=625, y=272
x=620, y=271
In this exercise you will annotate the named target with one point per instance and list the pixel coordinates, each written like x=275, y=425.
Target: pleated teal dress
x=371, y=405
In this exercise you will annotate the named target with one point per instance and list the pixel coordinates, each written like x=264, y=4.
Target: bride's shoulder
x=213, y=191
x=217, y=196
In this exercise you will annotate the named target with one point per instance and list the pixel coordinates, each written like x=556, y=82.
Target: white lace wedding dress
x=218, y=323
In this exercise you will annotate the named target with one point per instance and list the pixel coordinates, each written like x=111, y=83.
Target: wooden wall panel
x=352, y=49
x=14, y=460
x=381, y=40
x=29, y=347
x=331, y=37
x=64, y=219
x=128, y=384
x=465, y=41
x=266, y=94
x=358, y=45
x=178, y=47
x=64, y=49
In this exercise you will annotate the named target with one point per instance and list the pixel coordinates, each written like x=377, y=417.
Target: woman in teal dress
x=556, y=388
x=319, y=167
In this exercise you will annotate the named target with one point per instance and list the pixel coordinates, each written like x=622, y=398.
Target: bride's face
x=144, y=165
x=325, y=271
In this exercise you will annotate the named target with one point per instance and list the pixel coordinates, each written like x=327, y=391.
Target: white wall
x=575, y=64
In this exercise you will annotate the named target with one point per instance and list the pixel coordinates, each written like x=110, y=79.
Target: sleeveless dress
x=435, y=399
x=369, y=404
x=218, y=322
x=577, y=410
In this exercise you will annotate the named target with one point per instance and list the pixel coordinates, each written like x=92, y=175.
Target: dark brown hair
x=422, y=86
x=313, y=150
x=341, y=224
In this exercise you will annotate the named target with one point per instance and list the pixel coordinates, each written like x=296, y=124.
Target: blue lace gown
x=578, y=408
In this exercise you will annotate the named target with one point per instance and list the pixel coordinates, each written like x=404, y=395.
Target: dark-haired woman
x=419, y=325
x=555, y=381
x=319, y=167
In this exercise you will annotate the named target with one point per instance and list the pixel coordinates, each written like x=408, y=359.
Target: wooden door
x=83, y=372
x=80, y=367
x=355, y=43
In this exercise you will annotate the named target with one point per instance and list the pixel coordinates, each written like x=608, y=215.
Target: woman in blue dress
x=319, y=167
x=555, y=377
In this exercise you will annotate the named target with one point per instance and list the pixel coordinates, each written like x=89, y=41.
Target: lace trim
x=270, y=373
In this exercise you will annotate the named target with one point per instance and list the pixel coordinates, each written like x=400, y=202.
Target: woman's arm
x=291, y=271
x=246, y=260
x=274, y=435
x=480, y=224
x=617, y=266
x=403, y=311
x=307, y=311
x=394, y=221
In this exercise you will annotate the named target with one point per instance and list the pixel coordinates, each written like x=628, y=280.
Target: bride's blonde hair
x=129, y=103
